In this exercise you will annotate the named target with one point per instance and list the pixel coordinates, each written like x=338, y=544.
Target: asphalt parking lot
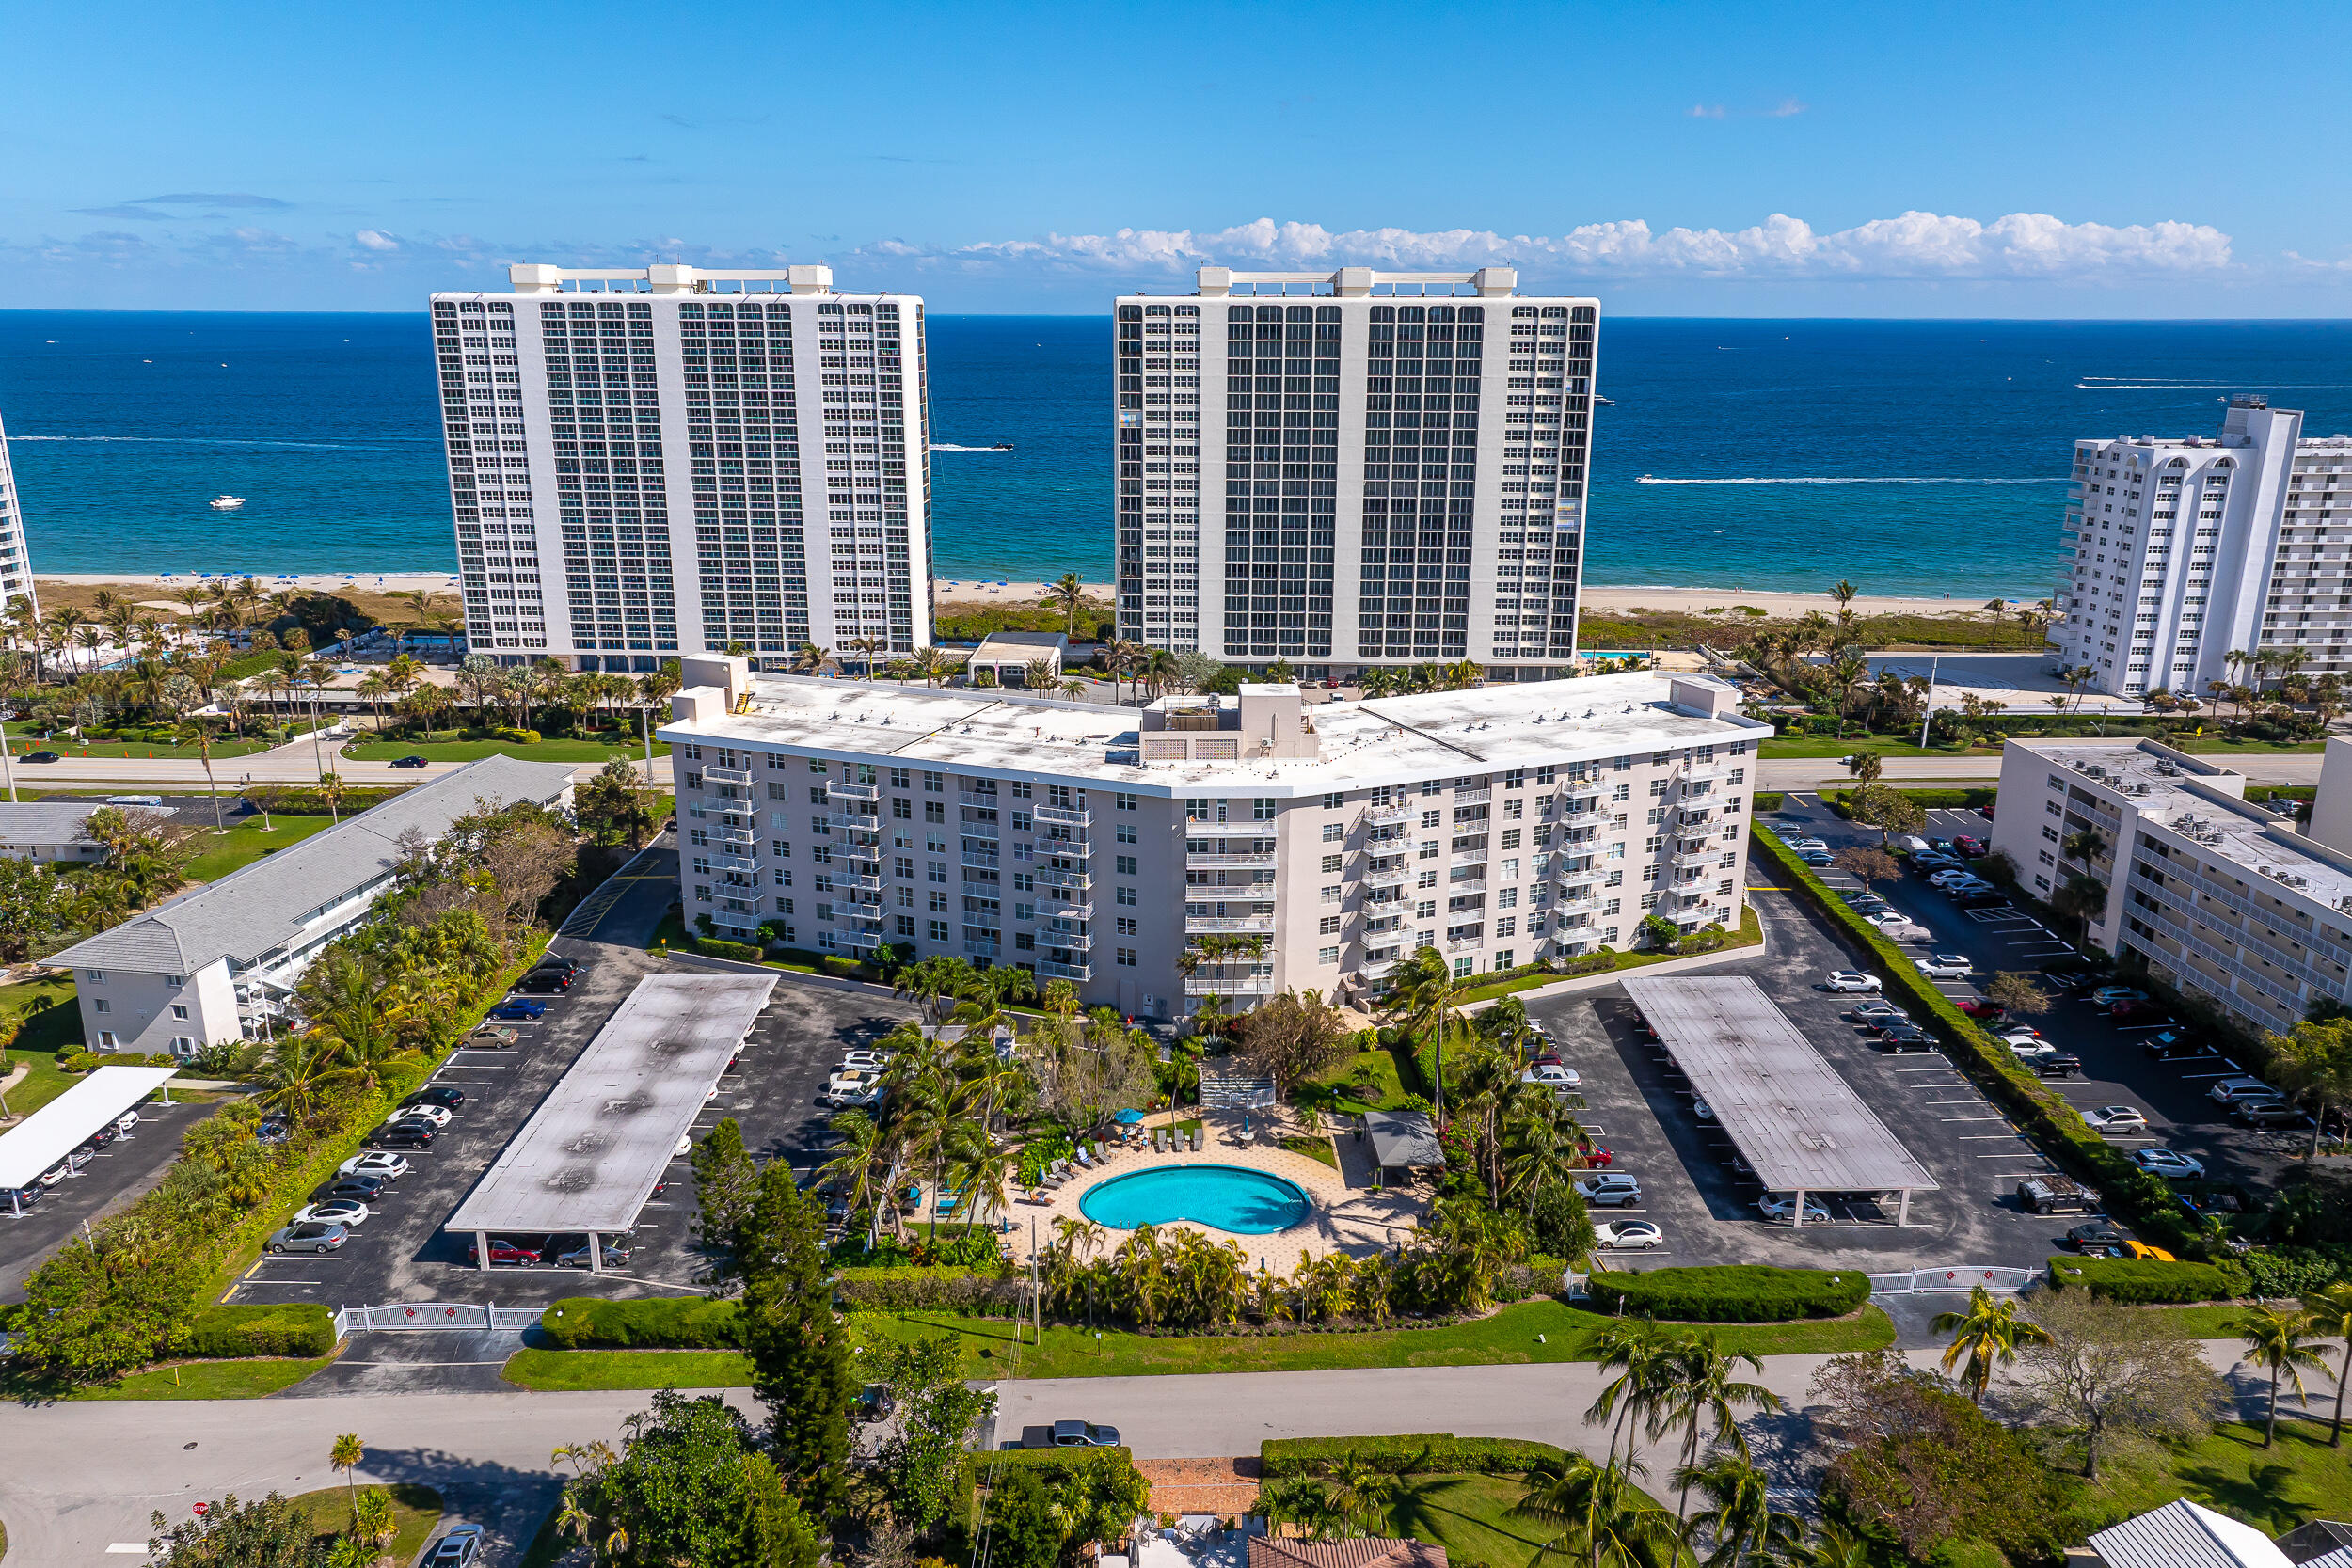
x=113, y=1178
x=401, y=1254
x=2116, y=1067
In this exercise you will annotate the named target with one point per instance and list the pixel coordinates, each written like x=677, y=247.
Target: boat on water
x=1600, y=402
x=226, y=503
x=1002, y=446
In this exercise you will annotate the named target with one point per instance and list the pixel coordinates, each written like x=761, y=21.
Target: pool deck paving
x=1346, y=1212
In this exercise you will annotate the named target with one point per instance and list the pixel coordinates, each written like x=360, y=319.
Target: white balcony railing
x=853, y=791
x=1401, y=812
x=1265, y=859
x=1052, y=971
x=727, y=775
x=1238, y=985
x=1073, y=817
x=1062, y=909
x=1388, y=876
x=1229, y=924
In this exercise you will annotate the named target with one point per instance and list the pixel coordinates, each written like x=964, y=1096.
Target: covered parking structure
x=1796, y=1122
x=588, y=1159
x=60, y=1127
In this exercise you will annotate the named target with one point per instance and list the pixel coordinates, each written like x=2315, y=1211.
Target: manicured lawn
x=1749, y=933
x=556, y=1370
x=24, y=738
x=2251, y=748
x=473, y=751
x=416, y=1509
x=1367, y=1081
x=2231, y=1472
x=1470, y=1517
x=44, y=1084
x=244, y=842
x=58, y=1027
x=2204, y=1323
x=1314, y=1149
x=1827, y=746
x=208, y=1380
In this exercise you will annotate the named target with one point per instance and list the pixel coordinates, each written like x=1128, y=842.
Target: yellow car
x=2141, y=1250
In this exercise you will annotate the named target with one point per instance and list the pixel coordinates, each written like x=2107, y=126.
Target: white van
x=1913, y=843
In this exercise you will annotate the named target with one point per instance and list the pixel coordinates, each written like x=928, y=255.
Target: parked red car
x=1967, y=845
x=1977, y=1006
x=2143, y=1007
x=503, y=1252
x=1597, y=1157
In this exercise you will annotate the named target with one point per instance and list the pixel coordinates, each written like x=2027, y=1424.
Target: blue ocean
x=1910, y=457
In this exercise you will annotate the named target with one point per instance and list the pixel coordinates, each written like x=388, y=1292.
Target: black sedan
x=40, y=757
x=412, y=760
x=544, y=982
x=403, y=1134
x=360, y=1189
x=437, y=1094
x=2095, y=1238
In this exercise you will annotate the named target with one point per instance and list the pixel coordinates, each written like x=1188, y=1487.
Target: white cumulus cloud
x=375, y=239
x=1923, y=245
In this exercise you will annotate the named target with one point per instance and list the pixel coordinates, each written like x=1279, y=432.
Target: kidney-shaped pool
x=1223, y=1197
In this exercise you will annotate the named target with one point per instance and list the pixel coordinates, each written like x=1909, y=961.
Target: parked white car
x=1781, y=1206
x=383, y=1163
x=865, y=1061
x=2229, y=1091
x=1628, y=1236
x=1945, y=966
x=1850, y=979
x=1552, y=1076
x=1609, y=1190
x=2115, y=1118
x=437, y=1115
x=1890, y=919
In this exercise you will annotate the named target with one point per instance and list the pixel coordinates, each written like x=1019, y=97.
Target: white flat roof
x=1792, y=1117
x=589, y=1156
x=50, y=1134
x=1359, y=744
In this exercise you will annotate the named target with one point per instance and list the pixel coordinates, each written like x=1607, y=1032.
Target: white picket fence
x=431, y=1314
x=1957, y=1279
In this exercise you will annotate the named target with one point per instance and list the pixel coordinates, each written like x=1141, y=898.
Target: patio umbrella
x=1128, y=1117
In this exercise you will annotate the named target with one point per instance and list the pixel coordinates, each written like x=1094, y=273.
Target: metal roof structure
x=588, y=1158
x=50, y=1134
x=1795, y=1120
x=45, y=821
x=264, y=905
x=2183, y=1535
x=1404, y=1140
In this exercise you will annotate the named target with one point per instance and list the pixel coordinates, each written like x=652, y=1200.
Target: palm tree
x=345, y=1456
x=1643, y=1356
x=1422, y=990
x=296, y=1071
x=2279, y=1342
x=1603, y=1517
x=1739, y=1516
x=354, y=1007
x=2332, y=1317
x=1705, y=1389
x=1068, y=595
x=1363, y=1492
x=1987, y=1333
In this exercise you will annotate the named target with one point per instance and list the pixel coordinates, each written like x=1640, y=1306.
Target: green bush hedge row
x=231, y=1333
x=719, y=947
x=2146, y=1281
x=1055, y=1465
x=2040, y=1114
x=306, y=800
x=1430, y=1453
x=675, y=1323
x=919, y=1288
x=1929, y=799
x=1730, y=1293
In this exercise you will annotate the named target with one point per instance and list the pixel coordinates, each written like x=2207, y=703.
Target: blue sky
x=1980, y=160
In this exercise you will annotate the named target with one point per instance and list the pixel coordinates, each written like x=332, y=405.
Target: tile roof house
x=218, y=962
x=1360, y=1552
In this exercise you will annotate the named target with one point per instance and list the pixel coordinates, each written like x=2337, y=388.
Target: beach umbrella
x=1128, y=1117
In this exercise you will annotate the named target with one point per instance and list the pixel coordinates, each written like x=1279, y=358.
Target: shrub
x=2144, y=1281
x=1418, y=1453
x=231, y=1333
x=916, y=1288
x=81, y=1061
x=679, y=1322
x=306, y=800
x=1731, y=1293
x=521, y=738
x=2290, y=1271
x=719, y=947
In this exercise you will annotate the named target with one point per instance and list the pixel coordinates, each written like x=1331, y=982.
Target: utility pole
x=211, y=786
x=8, y=768
x=1036, y=1296
x=1927, y=705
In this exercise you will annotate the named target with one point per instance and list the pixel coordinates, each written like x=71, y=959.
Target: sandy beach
x=960, y=591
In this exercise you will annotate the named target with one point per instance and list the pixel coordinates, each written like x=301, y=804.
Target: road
x=1786, y=773
x=83, y=1476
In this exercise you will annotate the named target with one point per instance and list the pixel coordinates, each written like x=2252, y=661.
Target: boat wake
x=198, y=441
x=944, y=445
x=1652, y=479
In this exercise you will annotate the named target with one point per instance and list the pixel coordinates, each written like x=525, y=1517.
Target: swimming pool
x=1223, y=1197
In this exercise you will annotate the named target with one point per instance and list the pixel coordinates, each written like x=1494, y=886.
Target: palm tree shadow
x=1416, y=1511
x=2265, y=1493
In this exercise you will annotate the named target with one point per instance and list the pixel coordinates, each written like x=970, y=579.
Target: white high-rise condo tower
x=16, y=561
x=1395, y=466
x=626, y=466
x=2187, y=550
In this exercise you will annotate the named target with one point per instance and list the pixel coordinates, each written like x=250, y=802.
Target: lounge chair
x=1196, y=1140
x=1156, y=1145
x=1083, y=1161
x=1101, y=1152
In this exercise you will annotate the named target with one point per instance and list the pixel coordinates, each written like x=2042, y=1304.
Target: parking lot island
x=589, y=1158
x=1798, y=1124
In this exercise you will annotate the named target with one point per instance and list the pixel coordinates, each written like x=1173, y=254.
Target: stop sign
x=201, y=1509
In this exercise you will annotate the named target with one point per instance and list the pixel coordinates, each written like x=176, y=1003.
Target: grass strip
x=248, y=1379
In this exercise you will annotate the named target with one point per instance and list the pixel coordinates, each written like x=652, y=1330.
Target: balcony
x=735, y=862
x=1260, y=861
x=1079, y=879
x=1048, y=970
x=1079, y=847
x=1261, y=925
x=857, y=909
x=858, y=851
x=1570, y=903
x=1381, y=925
x=734, y=835
x=983, y=949
x=1701, y=772
x=1239, y=985
x=1376, y=969
x=844, y=822
x=727, y=775
x=1069, y=816
x=1062, y=909
x=986, y=859
x=1388, y=875
x=1686, y=858
x=1584, y=820
x=1377, y=815
x=852, y=791
x=1469, y=884
x=978, y=830
x=1464, y=945
x=987, y=800
x=1473, y=797
x=1573, y=875
x=1469, y=857
x=736, y=920
x=1076, y=941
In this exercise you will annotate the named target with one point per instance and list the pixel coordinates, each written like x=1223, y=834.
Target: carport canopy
x=52, y=1132
x=589, y=1157
x=1404, y=1140
x=1799, y=1125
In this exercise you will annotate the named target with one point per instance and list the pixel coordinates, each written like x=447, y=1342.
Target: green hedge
x=1929, y=799
x=2144, y=1281
x=1432, y=1453
x=719, y=947
x=920, y=1287
x=1057, y=1465
x=1768, y=799
x=2040, y=1114
x=1730, y=1293
x=231, y=1333
x=305, y=800
x=675, y=1323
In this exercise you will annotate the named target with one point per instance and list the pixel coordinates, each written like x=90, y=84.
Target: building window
x=102, y=1004
x=1127, y=865
x=1502, y=959
x=1331, y=864
x=1333, y=800
x=939, y=930
x=1328, y=926
x=1326, y=955
x=1334, y=832
x=180, y=1011
x=1126, y=958
x=1463, y=966
x=95, y=976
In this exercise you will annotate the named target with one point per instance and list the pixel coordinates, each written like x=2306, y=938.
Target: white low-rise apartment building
x=220, y=961
x=1498, y=826
x=1351, y=468
x=2222, y=896
x=650, y=461
x=49, y=831
x=2187, y=550
x=16, y=561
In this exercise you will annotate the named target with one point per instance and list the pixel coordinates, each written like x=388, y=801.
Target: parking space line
x=1949, y=1119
